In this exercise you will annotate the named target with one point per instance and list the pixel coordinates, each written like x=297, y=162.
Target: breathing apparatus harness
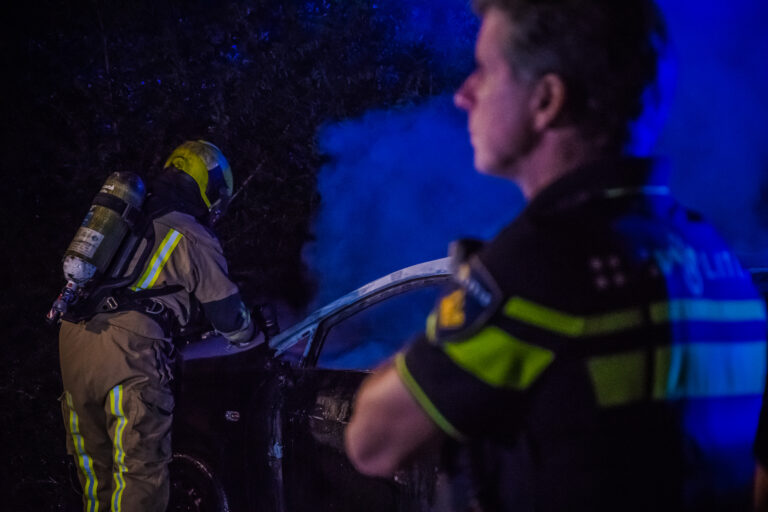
x=112, y=295
x=104, y=259
x=100, y=284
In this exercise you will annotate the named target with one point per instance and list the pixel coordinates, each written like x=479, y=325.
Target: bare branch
x=245, y=183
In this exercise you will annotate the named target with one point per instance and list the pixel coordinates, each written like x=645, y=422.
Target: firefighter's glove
x=265, y=317
x=257, y=339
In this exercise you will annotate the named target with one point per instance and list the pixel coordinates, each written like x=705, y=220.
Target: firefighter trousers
x=117, y=408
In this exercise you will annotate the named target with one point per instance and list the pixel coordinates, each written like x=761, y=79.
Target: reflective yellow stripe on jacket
x=570, y=325
x=666, y=372
x=499, y=359
x=611, y=322
x=119, y=468
x=158, y=261
x=689, y=369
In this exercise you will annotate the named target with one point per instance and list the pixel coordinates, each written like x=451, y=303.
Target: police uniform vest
x=606, y=351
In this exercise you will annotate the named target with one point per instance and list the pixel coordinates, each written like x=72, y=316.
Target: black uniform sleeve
x=468, y=373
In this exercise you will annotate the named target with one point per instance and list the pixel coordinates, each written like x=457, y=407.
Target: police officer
x=117, y=402
x=601, y=352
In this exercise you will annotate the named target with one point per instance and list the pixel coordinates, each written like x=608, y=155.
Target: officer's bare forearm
x=387, y=426
x=761, y=488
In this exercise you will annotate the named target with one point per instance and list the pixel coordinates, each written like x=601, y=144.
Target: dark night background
x=338, y=113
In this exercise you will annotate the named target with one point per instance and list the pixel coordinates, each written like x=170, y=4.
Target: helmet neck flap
x=175, y=190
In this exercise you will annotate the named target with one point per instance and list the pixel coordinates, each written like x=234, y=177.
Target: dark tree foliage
x=91, y=87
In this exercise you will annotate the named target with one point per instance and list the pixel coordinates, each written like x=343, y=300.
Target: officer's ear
x=547, y=101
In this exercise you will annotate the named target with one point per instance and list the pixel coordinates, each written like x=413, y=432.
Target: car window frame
x=325, y=325
x=318, y=322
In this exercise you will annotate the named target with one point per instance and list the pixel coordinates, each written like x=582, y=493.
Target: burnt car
x=258, y=430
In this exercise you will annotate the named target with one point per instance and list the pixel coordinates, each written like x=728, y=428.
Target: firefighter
x=117, y=402
x=605, y=351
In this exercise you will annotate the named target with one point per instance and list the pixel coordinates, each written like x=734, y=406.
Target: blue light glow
x=400, y=184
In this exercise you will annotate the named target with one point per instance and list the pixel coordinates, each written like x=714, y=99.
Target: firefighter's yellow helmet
x=206, y=164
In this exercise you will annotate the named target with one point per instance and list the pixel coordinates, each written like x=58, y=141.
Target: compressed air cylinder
x=104, y=227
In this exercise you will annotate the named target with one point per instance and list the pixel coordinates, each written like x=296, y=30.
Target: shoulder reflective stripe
x=158, y=261
x=119, y=468
x=499, y=359
x=695, y=370
x=613, y=193
x=423, y=400
x=708, y=310
x=83, y=459
x=431, y=328
x=570, y=325
x=566, y=324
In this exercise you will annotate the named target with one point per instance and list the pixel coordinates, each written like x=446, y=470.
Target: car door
x=317, y=403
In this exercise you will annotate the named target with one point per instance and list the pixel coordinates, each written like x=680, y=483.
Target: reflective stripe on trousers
x=118, y=470
x=83, y=459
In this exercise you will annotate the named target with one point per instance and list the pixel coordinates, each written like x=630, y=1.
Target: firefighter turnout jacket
x=117, y=402
x=606, y=351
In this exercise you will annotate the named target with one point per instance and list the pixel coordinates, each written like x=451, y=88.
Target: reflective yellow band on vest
x=423, y=400
x=158, y=261
x=499, y=359
x=620, y=379
x=708, y=310
x=611, y=322
x=83, y=459
x=694, y=370
x=650, y=190
x=118, y=469
x=566, y=324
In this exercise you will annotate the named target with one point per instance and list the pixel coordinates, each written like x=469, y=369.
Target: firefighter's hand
x=257, y=339
x=265, y=317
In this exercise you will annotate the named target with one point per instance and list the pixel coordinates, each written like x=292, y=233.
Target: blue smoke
x=715, y=136
x=400, y=184
x=657, y=99
x=399, y=188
